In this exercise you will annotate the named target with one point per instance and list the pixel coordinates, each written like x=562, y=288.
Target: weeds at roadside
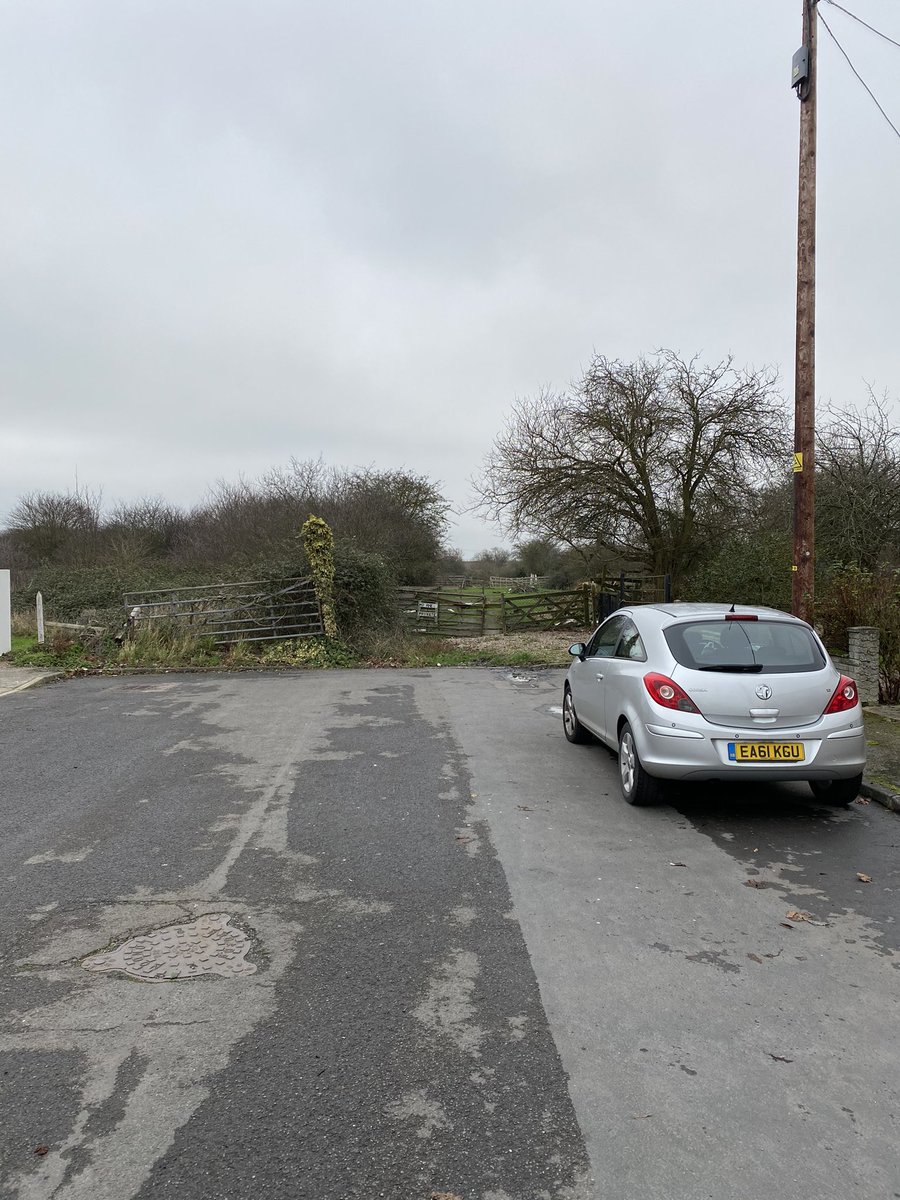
x=172, y=647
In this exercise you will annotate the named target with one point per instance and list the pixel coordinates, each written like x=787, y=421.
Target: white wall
x=5, y=613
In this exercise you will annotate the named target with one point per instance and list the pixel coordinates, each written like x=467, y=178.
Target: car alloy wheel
x=637, y=786
x=572, y=727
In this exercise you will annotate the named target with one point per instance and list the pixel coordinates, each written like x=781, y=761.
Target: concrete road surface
x=341, y=935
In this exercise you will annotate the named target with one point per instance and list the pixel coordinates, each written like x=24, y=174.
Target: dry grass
x=24, y=623
x=551, y=647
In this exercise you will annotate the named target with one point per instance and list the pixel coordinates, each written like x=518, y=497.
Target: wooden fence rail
x=443, y=613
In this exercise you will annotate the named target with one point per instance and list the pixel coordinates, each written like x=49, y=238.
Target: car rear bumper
x=682, y=754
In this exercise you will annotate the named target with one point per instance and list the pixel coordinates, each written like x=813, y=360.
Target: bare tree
x=57, y=526
x=647, y=461
x=858, y=490
x=398, y=515
x=142, y=529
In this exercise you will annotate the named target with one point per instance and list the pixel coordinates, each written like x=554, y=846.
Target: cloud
x=232, y=233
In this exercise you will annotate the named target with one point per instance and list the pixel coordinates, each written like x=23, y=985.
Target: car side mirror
x=577, y=651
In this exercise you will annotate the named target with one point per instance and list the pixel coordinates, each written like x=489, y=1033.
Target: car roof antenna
x=732, y=608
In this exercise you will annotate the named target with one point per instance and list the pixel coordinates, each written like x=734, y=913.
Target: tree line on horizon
x=664, y=465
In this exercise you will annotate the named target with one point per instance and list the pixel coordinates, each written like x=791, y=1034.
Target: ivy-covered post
x=318, y=542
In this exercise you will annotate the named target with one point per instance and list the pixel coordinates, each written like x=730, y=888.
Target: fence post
x=502, y=613
x=864, y=654
x=39, y=614
x=5, y=613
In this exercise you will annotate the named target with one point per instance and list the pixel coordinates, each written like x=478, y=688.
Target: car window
x=720, y=645
x=603, y=643
x=630, y=644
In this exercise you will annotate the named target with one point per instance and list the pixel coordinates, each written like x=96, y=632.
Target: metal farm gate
x=255, y=611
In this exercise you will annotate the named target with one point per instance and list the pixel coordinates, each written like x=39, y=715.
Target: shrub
x=69, y=591
x=365, y=594
x=851, y=597
x=747, y=569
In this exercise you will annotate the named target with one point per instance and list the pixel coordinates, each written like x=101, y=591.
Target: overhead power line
x=857, y=74
x=872, y=28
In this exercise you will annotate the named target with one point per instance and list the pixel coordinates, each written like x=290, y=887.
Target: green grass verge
x=69, y=656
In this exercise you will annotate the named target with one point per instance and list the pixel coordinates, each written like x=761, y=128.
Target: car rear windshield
x=744, y=646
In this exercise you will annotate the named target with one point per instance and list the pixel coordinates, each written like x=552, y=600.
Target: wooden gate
x=444, y=613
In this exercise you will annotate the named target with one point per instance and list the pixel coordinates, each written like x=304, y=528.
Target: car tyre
x=638, y=787
x=572, y=727
x=836, y=791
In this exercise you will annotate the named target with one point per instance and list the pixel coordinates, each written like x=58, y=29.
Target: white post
x=39, y=605
x=5, y=613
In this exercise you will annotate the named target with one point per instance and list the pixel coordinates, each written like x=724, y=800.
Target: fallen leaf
x=755, y=958
x=42, y=1150
x=641, y=1116
x=445, y=1196
x=797, y=915
x=863, y=878
x=464, y=839
x=779, y=1058
x=525, y=808
x=781, y=951
x=785, y=925
x=757, y=883
x=862, y=800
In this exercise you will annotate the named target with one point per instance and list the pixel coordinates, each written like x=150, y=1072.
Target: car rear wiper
x=738, y=668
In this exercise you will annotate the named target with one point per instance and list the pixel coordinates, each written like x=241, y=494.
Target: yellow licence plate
x=765, y=751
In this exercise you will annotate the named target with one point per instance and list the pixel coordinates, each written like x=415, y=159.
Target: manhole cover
x=207, y=946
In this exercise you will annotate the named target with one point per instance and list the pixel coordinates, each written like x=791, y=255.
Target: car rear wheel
x=572, y=727
x=637, y=786
x=836, y=791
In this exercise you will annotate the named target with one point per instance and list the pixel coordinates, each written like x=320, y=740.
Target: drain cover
x=207, y=946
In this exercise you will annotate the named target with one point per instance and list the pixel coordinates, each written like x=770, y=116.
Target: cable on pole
x=872, y=28
x=858, y=76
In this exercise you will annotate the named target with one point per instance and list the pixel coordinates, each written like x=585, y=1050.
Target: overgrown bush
x=749, y=569
x=852, y=597
x=69, y=591
x=365, y=594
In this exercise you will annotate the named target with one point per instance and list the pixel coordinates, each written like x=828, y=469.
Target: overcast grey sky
x=234, y=232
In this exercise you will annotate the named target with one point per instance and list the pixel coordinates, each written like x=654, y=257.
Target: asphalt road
x=466, y=967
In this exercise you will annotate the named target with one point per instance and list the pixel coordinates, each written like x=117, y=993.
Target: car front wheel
x=836, y=791
x=637, y=786
x=572, y=727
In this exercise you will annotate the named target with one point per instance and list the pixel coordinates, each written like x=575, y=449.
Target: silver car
x=708, y=691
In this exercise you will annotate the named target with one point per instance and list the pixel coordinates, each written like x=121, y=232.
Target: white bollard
x=39, y=607
x=5, y=613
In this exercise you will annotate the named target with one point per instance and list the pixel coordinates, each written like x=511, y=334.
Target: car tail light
x=665, y=691
x=845, y=696
x=741, y=617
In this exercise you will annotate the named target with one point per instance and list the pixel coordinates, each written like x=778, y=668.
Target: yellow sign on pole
x=798, y=462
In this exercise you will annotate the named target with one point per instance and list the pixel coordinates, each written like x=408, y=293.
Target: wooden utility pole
x=803, y=570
